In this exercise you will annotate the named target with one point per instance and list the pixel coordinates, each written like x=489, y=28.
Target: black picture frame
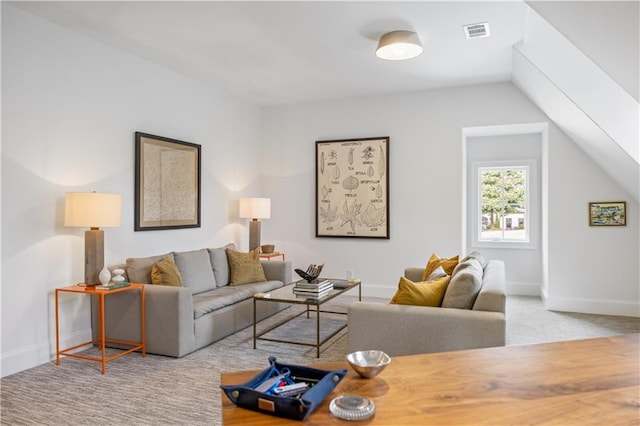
x=167, y=183
x=352, y=188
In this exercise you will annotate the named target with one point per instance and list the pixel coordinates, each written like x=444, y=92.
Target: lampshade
x=92, y=210
x=255, y=208
x=399, y=45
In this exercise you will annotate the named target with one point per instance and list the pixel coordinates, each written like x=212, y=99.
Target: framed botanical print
x=352, y=188
x=167, y=183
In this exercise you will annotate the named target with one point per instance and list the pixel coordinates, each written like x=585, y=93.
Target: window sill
x=521, y=245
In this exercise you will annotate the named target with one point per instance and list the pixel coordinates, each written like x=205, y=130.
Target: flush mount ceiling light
x=399, y=45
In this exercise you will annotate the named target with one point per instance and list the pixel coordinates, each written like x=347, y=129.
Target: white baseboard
x=523, y=289
x=375, y=290
x=33, y=355
x=593, y=306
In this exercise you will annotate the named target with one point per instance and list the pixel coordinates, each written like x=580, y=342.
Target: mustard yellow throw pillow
x=165, y=272
x=435, y=261
x=426, y=293
x=245, y=268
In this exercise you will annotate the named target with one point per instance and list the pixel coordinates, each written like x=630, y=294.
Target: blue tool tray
x=298, y=407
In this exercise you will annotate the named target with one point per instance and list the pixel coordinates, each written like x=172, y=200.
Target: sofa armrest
x=404, y=330
x=492, y=295
x=277, y=270
x=168, y=319
x=414, y=274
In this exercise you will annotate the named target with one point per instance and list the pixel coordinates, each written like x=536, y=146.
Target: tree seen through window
x=503, y=204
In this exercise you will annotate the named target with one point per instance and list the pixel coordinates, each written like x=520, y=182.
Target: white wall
x=70, y=107
x=425, y=193
x=591, y=269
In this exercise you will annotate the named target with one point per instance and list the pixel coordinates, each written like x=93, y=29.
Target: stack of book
x=316, y=289
x=113, y=285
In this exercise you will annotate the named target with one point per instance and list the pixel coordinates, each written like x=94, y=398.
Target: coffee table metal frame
x=286, y=295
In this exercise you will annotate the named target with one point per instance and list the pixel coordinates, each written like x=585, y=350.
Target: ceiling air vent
x=476, y=30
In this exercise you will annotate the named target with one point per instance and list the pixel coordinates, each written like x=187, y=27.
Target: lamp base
x=93, y=256
x=254, y=234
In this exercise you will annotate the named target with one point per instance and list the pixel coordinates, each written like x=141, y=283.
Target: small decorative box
x=259, y=394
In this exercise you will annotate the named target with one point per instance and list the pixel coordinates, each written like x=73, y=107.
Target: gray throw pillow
x=476, y=255
x=195, y=269
x=464, y=286
x=220, y=264
x=139, y=268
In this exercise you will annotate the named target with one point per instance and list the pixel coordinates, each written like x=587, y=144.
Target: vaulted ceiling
x=287, y=52
x=578, y=61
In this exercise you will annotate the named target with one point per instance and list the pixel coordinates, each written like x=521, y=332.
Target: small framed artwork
x=608, y=213
x=352, y=188
x=167, y=183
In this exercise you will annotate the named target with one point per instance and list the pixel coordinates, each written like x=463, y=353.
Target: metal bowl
x=368, y=364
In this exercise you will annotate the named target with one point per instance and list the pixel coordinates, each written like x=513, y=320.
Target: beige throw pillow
x=165, y=272
x=245, y=268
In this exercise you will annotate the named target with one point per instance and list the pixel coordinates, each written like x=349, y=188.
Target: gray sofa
x=180, y=320
x=404, y=330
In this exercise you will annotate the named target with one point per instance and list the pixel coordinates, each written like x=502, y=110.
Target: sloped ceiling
x=275, y=53
x=608, y=32
x=583, y=92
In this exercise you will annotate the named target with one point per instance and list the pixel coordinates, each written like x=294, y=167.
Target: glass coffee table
x=286, y=295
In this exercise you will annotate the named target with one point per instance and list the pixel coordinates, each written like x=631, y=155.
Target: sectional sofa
x=182, y=319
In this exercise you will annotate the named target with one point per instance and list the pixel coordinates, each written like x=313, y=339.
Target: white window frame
x=531, y=219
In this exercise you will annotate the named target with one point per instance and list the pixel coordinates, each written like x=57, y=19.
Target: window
x=502, y=212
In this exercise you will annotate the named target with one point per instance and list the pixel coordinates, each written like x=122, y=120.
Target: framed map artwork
x=352, y=188
x=167, y=183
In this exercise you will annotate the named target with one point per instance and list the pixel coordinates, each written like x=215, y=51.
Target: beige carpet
x=158, y=390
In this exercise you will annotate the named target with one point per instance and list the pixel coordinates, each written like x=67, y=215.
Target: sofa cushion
x=220, y=264
x=213, y=300
x=139, y=268
x=465, y=284
x=196, y=271
x=476, y=255
x=245, y=268
x=448, y=264
x=428, y=293
x=165, y=272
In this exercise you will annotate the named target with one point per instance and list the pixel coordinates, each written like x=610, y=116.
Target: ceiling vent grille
x=476, y=30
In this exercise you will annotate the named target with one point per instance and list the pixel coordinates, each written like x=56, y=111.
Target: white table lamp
x=92, y=210
x=254, y=209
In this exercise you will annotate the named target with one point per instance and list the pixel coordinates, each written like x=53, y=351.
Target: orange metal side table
x=102, y=339
x=270, y=256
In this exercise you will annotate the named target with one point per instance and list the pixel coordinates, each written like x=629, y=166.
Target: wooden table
x=594, y=381
x=102, y=338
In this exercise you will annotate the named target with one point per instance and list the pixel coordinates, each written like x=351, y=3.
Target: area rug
x=159, y=390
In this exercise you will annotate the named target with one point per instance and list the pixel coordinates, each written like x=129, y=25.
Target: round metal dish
x=352, y=407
